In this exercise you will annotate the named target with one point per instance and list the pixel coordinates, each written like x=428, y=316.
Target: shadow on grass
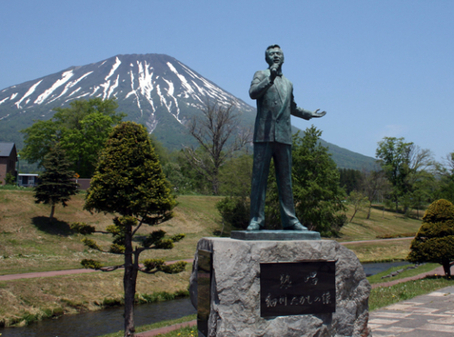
x=55, y=227
x=360, y=224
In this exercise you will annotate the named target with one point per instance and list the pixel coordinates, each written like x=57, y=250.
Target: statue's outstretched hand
x=317, y=114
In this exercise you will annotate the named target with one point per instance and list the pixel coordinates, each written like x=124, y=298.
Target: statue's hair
x=273, y=46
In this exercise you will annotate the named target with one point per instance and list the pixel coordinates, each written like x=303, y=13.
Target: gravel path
x=60, y=272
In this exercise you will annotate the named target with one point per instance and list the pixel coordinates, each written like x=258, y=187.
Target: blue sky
x=379, y=68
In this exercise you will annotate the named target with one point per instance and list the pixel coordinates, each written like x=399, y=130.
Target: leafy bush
x=82, y=228
x=153, y=265
x=234, y=211
x=10, y=179
x=91, y=264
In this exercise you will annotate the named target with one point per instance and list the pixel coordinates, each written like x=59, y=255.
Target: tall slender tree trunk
x=447, y=268
x=52, y=211
x=215, y=185
x=129, y=284
x=354, y=213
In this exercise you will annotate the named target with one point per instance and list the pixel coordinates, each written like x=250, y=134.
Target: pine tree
x=129, y=182
x=56, y=184
x=316, y=185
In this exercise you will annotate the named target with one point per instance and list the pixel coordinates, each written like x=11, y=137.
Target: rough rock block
x=235, y=289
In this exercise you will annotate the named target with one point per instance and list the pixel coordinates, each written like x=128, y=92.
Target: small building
x=84, y=183
x=27, y=179
x=8, y=159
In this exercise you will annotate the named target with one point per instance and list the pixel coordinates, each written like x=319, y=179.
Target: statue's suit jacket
x=275, y=104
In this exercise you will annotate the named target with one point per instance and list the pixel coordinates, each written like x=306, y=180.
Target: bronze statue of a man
x=273, y=139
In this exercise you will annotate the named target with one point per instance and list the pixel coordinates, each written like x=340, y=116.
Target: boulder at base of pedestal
x=234, y=292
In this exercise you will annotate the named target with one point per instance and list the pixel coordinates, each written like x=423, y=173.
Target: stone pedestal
x=234, y=289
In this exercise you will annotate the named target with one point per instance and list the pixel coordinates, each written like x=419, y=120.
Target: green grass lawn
x=30, y=243
x=384, y=296
x=380, y=224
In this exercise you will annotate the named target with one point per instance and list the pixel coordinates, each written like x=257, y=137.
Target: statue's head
x=274, y=54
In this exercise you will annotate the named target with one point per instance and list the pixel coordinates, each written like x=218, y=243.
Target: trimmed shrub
x=434, y=241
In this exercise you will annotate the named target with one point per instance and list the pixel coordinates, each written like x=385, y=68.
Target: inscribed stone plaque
x=297, y=288
x=203, y=290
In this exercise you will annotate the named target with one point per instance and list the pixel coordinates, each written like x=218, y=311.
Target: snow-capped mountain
x=154, y=89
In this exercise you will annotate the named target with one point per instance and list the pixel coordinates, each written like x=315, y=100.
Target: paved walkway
x=430, y=315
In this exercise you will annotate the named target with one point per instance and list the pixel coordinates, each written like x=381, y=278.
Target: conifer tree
x=317, y=192
x=129, y=182
x=434, y=241
x=55, y=184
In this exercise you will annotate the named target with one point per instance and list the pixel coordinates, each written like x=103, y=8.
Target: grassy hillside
x=29, y=243
x=381, y=224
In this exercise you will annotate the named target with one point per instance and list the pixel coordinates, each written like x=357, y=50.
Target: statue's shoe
x=296, y=227
x=253, y=226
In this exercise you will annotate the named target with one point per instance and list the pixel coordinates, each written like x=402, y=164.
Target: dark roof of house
x=6, y=149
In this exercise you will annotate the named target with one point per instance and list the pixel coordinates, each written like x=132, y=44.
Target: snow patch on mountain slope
x=189, y=71
x=215, y=92
x=146, y=81
x=170, y=92
x=114, y=67
x=113, y=87
x=95, y=89
x=70, y=85
x=28, y=93
x=65, y=78
x=208, y=89
x=183, y=80
x=75, y=92
x=77, y=97
x=134, y=91
x=106, y=87
x=169, y=104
